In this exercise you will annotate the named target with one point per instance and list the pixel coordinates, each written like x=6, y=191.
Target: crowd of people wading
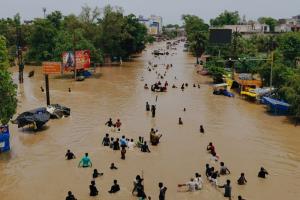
x=123, y=143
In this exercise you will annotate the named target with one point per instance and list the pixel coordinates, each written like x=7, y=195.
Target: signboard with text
x=51, y=67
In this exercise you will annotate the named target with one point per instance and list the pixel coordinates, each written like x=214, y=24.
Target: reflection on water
x=244, y=135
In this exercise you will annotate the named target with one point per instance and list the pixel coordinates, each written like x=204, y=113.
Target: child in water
x=112, y=166
x=123, y=152
x=96, y=173
x=180, y=121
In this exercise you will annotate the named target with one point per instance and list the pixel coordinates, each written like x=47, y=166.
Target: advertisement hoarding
x=83, y=60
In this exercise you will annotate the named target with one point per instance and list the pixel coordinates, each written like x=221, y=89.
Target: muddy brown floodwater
x=245, y=136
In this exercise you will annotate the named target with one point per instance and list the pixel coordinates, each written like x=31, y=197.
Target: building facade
x=153, y=23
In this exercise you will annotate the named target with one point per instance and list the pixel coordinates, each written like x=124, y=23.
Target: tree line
x=104, y=31
x=285, y=47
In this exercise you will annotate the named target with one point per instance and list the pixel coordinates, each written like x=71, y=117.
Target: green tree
x=196, y=31
x=289, y=46
x=8, y=100
x=291, y=92
x=42, y=41
x=198, y=44
x=269, y=21
x=226, y=18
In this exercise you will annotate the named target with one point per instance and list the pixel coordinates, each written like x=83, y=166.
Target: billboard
x=220, y=36
x=68, y=61
x=51, y=67
x=83, y=60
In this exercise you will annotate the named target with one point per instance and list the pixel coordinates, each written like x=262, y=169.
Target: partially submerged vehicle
x=221, y=89
x=58, y=111
x=34, y=118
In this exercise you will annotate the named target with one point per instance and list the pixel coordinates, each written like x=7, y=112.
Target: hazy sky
x=170, y=10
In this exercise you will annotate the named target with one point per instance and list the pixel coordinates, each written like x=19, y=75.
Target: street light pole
x=44, y=11
x=271, y=72
x=74, y=53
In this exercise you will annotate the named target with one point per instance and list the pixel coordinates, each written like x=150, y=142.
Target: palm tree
x=199, y=44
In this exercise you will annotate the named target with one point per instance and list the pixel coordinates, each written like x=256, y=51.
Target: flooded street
x=245, y=137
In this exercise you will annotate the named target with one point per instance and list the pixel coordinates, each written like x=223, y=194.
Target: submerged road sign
x=51, y=67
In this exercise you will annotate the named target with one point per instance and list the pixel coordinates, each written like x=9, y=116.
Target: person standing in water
x=227, y=188
x=106, y=140
x=70, y=196
x=240, y=198
x=109, y=123
x=85, y=161
x=118, y=124
x=162, y=191
x=223, y=169
x=201, y=129
x=180, y=121
x=112, y=166
x=153, y=109
x=242, y=180
x=115, y=187
x=123, y=152
x=262, y=173
x=145, y=148
x=96, y=173
x=93, y=189
x=70, y=155
x=147, y=106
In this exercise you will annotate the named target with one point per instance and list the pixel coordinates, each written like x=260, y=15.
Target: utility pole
x=46, y=75
x=44, y=11
x=271, y=72
x=19, y=54
x=74, y=53
x=271, y=45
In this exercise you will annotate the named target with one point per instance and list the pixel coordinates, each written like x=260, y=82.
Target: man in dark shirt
x=145, y=148
x=115, y=187
x=162, y=191
x=106, y=140
x=70, y=155
x=93, y=189
x=70, y=196
x=208, y=171
x=227, y=188
x=109, y=123
x=116, y=145
x=262, y=173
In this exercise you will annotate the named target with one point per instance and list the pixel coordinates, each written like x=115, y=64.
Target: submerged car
x=58, y=111
x=35, y=118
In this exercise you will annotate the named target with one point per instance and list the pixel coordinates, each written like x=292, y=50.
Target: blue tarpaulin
x=276, y=106
x=4, y=138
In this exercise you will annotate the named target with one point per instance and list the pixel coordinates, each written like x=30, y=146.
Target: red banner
x=83, y=59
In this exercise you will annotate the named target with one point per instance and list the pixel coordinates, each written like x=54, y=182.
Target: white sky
x=170, y=10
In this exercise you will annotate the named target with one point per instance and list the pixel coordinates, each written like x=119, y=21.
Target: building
x=249, y=28
x=154, y=24
x=288, y=25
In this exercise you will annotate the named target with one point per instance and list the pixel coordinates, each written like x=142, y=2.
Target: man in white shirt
x=130, y=144
x=198, y=181
x=191, y=185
